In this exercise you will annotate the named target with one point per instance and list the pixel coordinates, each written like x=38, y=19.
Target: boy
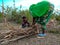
x=25, y=23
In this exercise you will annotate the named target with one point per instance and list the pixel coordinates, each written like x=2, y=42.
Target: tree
x=28, y=15
x=8, y=12
x=1, y=17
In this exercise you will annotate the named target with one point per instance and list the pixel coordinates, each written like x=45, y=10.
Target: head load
x=40, y=9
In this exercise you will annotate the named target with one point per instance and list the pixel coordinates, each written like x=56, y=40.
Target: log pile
x=15, y=32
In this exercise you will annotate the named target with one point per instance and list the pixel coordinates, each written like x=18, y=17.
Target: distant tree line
x=15, y=15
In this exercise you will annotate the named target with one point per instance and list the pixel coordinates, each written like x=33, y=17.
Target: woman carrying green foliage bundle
x=41, y=13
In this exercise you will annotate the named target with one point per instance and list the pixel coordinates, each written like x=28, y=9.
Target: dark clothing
x=25, y=23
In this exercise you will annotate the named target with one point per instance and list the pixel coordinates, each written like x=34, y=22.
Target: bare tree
x=14, y=3
x=4, y=16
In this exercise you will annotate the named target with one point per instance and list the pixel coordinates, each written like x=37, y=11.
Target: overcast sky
x=26, y=3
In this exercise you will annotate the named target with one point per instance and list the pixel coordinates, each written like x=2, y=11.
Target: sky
x=26, y=3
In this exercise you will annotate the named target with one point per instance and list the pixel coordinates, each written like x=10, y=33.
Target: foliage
x=54, y=31
x=58, y=18
x=1, y=17
x=28, y=15
x=55, y=16
x=16, y=14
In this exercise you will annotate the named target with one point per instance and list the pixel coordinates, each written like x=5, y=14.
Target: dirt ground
x=49, y=39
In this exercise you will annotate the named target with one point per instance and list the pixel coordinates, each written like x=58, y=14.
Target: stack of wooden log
x=20, y=32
